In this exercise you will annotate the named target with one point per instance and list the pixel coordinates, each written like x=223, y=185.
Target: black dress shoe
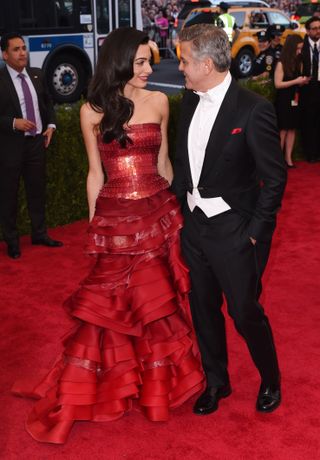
x=269, y=398
x=208, y=401
x=47, y=241
x=13, y=251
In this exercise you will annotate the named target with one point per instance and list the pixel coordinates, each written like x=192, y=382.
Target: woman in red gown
x=134, y=344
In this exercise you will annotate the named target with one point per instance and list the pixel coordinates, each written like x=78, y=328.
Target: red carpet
x=33, y=322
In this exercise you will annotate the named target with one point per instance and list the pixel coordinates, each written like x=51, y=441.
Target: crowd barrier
x=166, y=45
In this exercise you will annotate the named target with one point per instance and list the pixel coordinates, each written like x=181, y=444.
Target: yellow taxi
x=155, y=53
x=249, y=21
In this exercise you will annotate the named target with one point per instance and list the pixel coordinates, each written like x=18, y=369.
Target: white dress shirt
x=199, y=131
x=17, y=84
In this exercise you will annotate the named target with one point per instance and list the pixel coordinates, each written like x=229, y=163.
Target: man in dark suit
x=26, y=128
x=229, y=177
x=310, y=94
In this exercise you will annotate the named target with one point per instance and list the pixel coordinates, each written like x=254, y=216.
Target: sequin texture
x=132, y=171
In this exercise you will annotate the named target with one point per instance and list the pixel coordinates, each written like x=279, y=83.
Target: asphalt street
x=166, y=77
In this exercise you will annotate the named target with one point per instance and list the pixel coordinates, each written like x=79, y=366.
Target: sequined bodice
x=132, y=171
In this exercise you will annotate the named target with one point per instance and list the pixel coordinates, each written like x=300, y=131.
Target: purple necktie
x=29, y=103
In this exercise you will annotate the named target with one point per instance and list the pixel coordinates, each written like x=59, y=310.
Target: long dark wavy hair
x=292, y=64
x=114, y=69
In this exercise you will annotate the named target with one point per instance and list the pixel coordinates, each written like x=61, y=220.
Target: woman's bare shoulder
x=159, y=97
x=154, y=96
x=88, y=113
x=159, y=102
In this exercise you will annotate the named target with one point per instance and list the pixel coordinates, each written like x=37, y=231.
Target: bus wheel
x=243, y=63
x=66, y=78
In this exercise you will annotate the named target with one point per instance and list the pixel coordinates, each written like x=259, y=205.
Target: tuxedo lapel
x=12, y=91
x=306, y=58
x=188, y=111
x=221, y=129
x=35, y=80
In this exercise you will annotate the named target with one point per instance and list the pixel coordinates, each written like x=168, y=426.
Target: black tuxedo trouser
x=30, y=163
x=222, y=260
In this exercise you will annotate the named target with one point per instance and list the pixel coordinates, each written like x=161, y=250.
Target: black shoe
x=47, y=241
x=13, y=250
x=208, y=401
x=291, y=166
x=269, y=398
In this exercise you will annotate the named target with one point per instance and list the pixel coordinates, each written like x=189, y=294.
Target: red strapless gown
x=135, y=341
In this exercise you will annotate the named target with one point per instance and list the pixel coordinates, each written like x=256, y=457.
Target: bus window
x=63, y=36
x=37, y=14
x=124, y=9
x=85, y=7
x=64, y=12
x=103, y=16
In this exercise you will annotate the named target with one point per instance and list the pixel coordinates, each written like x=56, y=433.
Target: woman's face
x=141, y=67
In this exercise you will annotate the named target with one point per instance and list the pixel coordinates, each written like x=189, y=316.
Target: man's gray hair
x=210, y=41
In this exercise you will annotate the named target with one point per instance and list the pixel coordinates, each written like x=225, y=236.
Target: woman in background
x=163, y=25
x=287, y=80
x=134, y=343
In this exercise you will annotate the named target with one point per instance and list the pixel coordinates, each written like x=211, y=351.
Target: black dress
x=287, y=106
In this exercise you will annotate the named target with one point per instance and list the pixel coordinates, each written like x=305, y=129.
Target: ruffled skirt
x=134, y=343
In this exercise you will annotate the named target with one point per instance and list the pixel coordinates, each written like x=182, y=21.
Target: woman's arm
x=95, y=179
x=164, y=163
x=279, y=75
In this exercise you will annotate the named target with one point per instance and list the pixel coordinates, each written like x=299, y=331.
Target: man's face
x=16, y=55
x=275, y=40
x=314, y=31
x=193, y=69
x=263, y=45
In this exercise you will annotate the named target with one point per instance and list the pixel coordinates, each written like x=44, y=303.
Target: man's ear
x=208, y=65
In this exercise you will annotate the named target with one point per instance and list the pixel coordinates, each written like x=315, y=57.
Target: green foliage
x=67, y=162
x=66, y=173
x=173, y=122
x=260, y=86
x=67, y=169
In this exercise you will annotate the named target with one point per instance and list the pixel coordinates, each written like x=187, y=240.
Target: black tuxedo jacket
x=10, y=108
x=310, y=93
x=243, y=160
x=306, y=57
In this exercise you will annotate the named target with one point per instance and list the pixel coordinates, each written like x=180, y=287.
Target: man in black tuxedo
x=229, y=176
x=26, y=128
x=310, y=94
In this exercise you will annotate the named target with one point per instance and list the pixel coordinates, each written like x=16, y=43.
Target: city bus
x=63, y=36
